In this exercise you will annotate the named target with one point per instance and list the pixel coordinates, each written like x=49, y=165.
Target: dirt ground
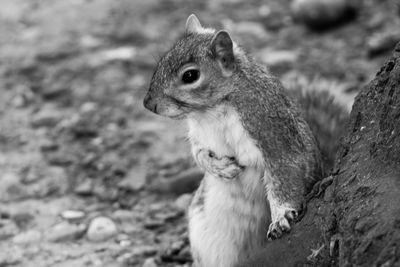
x=76, y=144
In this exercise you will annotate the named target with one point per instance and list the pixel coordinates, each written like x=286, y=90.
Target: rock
x=30, y=236
x=144, y=250
x=150, y=262
x=23, y=219
x=47, y=117
x=105, y=193
x=101, y=229
x=126, y=53
x=89, y=41
x=135, y=180
x=186, y=182
x=88, y=107
x=72, y=215
x=183, y=202
x=65, y=231
x=250, y=28
x=10, y=256
x=7, y=229
x=54, y=182
x=323, y=14
x=123, y=240
x=279, y=61
x=278, y=57
x=11, y=189
x=85, y=188
x=123, y=215
x=382, y=42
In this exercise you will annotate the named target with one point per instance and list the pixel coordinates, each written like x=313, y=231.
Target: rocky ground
x=90, y=178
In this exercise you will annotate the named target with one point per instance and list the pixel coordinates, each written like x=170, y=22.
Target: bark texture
x=353, y=216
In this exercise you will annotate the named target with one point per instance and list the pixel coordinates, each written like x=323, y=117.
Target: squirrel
x=247, y=133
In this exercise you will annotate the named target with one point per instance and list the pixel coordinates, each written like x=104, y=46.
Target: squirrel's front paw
x=281, y=224
x=223, y=167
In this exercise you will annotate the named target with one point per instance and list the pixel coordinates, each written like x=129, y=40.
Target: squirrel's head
x=195, y=74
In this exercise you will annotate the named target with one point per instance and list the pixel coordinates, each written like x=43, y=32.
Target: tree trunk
x=353, y=216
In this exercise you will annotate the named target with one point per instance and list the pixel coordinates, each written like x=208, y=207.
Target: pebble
x=144, y=250
x=7, y=229
x=323, y=14
x=382, y=42
x=30, y=236
x=72, y=215
x=10, y=256
x=11, y=189
x=88, y=107
x=23, y=219
x=66, y=231
x=135, y=180
x=183, y=202
x=250, y=28
x=54, y=181
x=46, y=118
x=275, y=58
x=85, y=188
x=186, y=182
x=123, y=215
x=101, y=229
x=150, y=262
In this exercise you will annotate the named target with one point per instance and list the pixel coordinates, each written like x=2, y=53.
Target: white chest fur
x=221, y=131
x=233, y=218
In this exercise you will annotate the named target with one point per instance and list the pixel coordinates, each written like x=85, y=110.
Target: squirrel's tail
x=326, y=109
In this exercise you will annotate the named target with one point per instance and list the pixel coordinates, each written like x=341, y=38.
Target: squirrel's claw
x=281, y=225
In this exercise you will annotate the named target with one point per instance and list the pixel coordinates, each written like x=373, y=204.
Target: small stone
x=183, y=202
x=323, y=14
x=275, y=57
x=88, y=107
x=150, y=262
x=47, y=145
x=66, y=231
x=127, y=53
x=10, y=256
x=11, y=189
x=7, y=229
x=85, y=188
x=135, y=180
x=144, y=250
x=177, y=245
x=185, y=254
x=54, y=181
x=186, y=182
x=250, y=28
x=23, y=219
x=72, y=215
x=123, y=215
x=101, y=229
x=123, y=240
x=382, y=42
x=46, y=118
x=153, y=224
x=30, y=236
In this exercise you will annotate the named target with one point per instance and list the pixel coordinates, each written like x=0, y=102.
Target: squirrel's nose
x=149, y=103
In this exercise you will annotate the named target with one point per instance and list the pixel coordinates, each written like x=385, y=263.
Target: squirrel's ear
x=193, y=24
x=222, y=48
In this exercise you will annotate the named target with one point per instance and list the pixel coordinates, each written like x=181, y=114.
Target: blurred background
x=88, y=177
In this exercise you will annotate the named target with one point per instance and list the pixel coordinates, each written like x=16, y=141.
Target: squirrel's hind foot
x=282, y=223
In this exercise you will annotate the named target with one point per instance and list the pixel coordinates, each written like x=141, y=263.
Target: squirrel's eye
x=190, y=76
